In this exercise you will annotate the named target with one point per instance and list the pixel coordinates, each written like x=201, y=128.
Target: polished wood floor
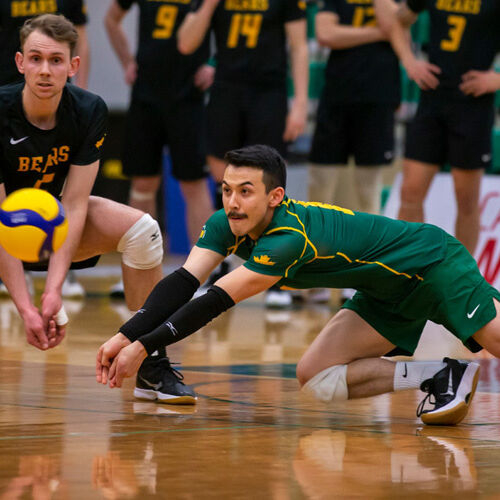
x=251, y=435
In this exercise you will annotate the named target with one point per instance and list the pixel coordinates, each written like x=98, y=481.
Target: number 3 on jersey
x=455, y=33
x=165, y=21
x=247, y=25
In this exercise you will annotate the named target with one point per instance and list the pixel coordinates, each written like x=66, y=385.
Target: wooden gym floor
x=251, y=435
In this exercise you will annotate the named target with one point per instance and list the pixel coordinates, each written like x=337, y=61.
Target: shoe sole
x=151, y=395
x=455, y=414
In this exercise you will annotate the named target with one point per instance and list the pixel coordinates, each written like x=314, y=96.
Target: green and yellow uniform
x=405, y=273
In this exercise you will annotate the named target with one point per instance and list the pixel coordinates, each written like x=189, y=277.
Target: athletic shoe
x=157, y=380
x=117, y=291
x=278, y=299
x=452, y=389
x=71, y=289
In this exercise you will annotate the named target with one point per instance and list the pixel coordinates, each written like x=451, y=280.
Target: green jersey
x=318, y=245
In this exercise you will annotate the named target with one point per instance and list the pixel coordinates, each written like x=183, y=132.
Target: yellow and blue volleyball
x=32, y=224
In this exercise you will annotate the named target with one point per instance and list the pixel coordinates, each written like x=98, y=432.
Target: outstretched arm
x=195, y=26
x=169, y=295
x=230, y=289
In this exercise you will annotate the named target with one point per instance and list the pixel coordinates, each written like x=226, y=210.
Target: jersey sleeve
x=295, y=9
x=329, y=6
x=125, y=4
x=216, y=234
x=94, y=134
x=416, y=5
x=279, y=254
x=77, y=12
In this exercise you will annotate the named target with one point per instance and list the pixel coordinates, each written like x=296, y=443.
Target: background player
x=14, y=13
x=405, y=274
x=455, y=114
x=248, y=101
x=167, y=107
x=50, y=138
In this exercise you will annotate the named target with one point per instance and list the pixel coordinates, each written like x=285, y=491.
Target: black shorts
x=151, y=126
x=454, y=131
x=242, y=115
x=43, y=266
x=364, y=130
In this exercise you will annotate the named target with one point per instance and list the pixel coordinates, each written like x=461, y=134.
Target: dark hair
x=264, y=158
x=54, y=26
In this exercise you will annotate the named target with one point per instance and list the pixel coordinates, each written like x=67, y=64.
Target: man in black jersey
x=455, y=115
x=356, y=110
x=13, y=14
x=51, y=133
x=166, y=109
x=248, y=101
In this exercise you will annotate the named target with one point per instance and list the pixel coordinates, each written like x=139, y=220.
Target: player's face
x=248, y=207
x=46, y=65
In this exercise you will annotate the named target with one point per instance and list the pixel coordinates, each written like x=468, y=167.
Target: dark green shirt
x=317, y=245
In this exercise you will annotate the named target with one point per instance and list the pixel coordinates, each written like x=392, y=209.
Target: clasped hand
x=117, y=359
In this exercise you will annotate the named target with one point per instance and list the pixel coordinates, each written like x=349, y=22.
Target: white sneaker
x=278, y=299
x=71, y=289
x=117, y=291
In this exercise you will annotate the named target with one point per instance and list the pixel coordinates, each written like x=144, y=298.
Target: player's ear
x=20, y=62
x=73, y=66
x=276, y=196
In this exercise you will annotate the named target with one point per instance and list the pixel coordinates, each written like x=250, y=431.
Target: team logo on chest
x=42, y=163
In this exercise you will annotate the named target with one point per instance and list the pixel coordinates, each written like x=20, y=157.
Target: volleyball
x=32, y=224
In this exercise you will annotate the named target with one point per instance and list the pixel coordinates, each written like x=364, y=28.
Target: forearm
x=61, y=260
x=194, y=28
x=12, y=275
x=300, y=72
x=119, y=42
x=170, y=294
x=401, y=43
x=345, y=37
x=188, y=319
x=83, y=51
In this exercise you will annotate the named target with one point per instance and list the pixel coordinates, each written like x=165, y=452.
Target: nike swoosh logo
x=405, y=374
x=17, y=141
x=149, y=384
x=469, y=315
x=450, y=391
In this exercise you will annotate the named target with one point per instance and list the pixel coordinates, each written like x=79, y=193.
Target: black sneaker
x=157, y=380
x=452, y=389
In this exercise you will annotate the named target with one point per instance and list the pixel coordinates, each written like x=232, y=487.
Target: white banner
x=440, y=209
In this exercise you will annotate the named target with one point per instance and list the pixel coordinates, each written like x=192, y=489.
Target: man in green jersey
x=405, y=274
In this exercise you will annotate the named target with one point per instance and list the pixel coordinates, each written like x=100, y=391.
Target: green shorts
x=453, y=294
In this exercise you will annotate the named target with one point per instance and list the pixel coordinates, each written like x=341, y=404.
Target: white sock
x=410, y=374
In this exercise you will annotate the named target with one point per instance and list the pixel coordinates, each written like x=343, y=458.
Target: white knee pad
x=329, y=385
x=142, y=245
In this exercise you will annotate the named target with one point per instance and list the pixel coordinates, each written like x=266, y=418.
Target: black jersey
x=31, y=157
x=464, y=35
x=163, y=72
x=13, y=13
x=366, y=73
x=251, y=40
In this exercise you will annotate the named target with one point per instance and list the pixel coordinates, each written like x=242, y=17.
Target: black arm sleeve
x=188, y=319
x=171, y=293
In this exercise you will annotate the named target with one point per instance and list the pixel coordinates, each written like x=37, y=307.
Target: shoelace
x=178, y=375
x=427, y=386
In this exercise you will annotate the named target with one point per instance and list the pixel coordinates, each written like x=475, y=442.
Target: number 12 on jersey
x=247, y=25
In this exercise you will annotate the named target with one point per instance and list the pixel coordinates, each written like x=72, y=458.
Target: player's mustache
x=236, y=214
